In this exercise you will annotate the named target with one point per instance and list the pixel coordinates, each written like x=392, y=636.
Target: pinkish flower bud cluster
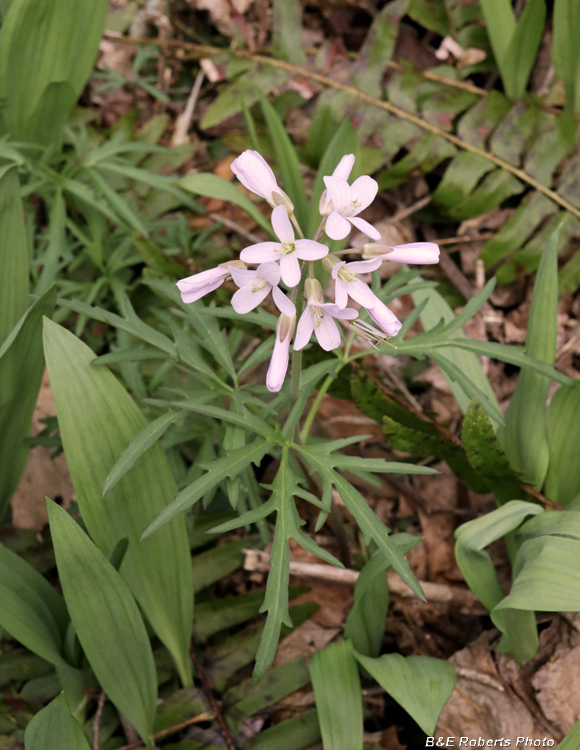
x=279, y=262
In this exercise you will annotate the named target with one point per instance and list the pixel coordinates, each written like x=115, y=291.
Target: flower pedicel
x=278, y=262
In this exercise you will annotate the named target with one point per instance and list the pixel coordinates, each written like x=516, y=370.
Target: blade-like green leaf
x=571, y=740
x=565, y=49
x=523, y=47
x=546, y=577
x=437, y=309
x=41, y=75
x=563, y=478
x=107, y=621
x=13, y=254
x=520, y=634
x=524, y=436
x=287, y=161
x=21, y=368
x=501, y=24
x=97, y=420
x=213, y=186
x=30, y=609
x=138, y=446
x=338, y=697
x=420, y=684
x=365, y=624
x=54, y=728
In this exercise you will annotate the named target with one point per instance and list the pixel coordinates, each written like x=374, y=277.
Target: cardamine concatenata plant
x=279, y=263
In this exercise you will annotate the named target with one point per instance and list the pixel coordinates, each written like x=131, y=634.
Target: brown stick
x=171, y=730
x=97, y=721
x=210, y=696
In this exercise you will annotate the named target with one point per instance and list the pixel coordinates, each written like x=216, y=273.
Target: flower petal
x=261, y=252
x=304, y=329
x=364, y=191
x=310, y=250
x=281, y=224
x=344, y=167
x=345, y=314
x=203, y=278
x=270, y=272
x=290, y=270
x=327, y=333
x=361, y=293
x=247, y=298
x=364, y=266
x=340, y=293
x=242, y=276
x=415, y=253
x=193, y=294
x=385, y=318
x=285, y=305
x=339, y=193
x=364, y=227
x=337, y=227
x=278, y=364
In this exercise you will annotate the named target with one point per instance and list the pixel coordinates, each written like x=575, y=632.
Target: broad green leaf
x=213, y=186
x=520, y=637
x=287, y=161
x=218, y=562
x=501, y=26
x=21, y=369
x=437, y=309
x=338, y=697
x=547, y=578
x=420, y=684
x=565, y=49
x=108, y=622
x=250, y=697
x=294, y=734
x=54, y=728
x=524, y=436
x=40, y=76
x=97, y=420
x=30, y=609
x=486, y=454
x=226, y=466
x=563, y=478
x=138, y=446
x=13, y=254
x=365, y=624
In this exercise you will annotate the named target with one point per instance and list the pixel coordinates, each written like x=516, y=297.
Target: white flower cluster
x=340, y=205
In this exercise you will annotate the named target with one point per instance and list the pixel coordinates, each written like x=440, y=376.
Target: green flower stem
x=296, y=225
x=298, y=299
x=314, y=408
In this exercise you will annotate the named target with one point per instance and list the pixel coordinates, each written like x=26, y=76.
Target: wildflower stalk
x=298, y=300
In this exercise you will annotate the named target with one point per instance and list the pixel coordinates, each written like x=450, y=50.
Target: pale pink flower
x=318, y=316
x=194, y=287
x=254, y=172
x=256, y=285
x=343, y=170
x=280, y=356
x=346, y=282
x=347, y=202
x=287, y=251
x=385, y=318
x=417, y=253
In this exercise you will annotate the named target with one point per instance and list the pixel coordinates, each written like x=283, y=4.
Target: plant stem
x=297, y=356
x=296, y=226
x=314, y=408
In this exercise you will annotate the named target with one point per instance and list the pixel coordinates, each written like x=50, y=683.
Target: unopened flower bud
x=415, y=253
x=279, y=198
x=325, y=204
x=313, y=291
x=285, y=327
x=374, y=250
x=329, y=262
